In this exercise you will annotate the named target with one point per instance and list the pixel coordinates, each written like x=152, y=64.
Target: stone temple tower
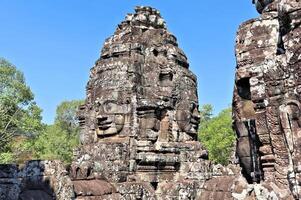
x=267, y=99
x=139, y=128
x=140, y=120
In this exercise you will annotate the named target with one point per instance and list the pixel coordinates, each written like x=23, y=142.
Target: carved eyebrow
x=109, y=101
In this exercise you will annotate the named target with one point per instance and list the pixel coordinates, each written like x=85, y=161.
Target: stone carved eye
x=110, y=107
x=114, y=108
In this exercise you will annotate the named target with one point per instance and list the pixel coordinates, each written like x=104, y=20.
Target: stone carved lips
x=111, y=116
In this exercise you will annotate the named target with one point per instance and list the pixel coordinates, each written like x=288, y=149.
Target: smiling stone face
x=188, y=117
x=187, y=113
x=140, y=119
x=110, y=117
x=110, y=97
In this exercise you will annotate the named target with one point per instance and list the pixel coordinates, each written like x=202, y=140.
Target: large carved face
x=111, y=115
x=187, y=117
x=187, y=113
x=149, y=123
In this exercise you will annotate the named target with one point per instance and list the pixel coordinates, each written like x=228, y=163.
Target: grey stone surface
x=140, y=119
x=36, y=180
x=267, y=99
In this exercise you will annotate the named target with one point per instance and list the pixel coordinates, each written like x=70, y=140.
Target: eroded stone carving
x=140, y=120
x=266, y=93
x=144, y=144
x=35, y=180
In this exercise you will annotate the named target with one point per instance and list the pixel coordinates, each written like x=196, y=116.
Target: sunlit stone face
x=110, y=116
x=153, y=73
x=188, y=118
x=109, y=101
x=187, y=113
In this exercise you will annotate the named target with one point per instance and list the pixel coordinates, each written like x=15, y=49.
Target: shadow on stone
x=36, y=180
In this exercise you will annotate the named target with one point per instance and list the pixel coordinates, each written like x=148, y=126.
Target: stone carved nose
x=196, y=114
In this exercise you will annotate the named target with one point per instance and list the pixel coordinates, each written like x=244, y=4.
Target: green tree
x=66, y=115
x=19, y=114
x=55, y=143
x=217, y=136
x=205, y=113
x=59, y=140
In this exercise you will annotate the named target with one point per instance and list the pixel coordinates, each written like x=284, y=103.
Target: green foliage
x=217, y=135
x=66, y=115
x=22, y=135
x=205, y=113
x=58, y=140
x=55, y=143
x=6, y=157
x=21, y=149
x=19, y=114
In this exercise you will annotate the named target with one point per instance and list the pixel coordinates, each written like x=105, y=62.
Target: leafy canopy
x=66, y=115
x=55, y=143
x=19, y=114
x=22, y=135
x=59, y=139
x=216, y=134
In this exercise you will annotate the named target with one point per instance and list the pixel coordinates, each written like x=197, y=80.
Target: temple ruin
x=140, y=120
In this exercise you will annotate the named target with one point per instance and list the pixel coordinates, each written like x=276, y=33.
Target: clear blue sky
x=56, y=42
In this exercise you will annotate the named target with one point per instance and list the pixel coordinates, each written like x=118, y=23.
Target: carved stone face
x=188, y=118
x=110, y=117
x=149, y=124
x=187, y=114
